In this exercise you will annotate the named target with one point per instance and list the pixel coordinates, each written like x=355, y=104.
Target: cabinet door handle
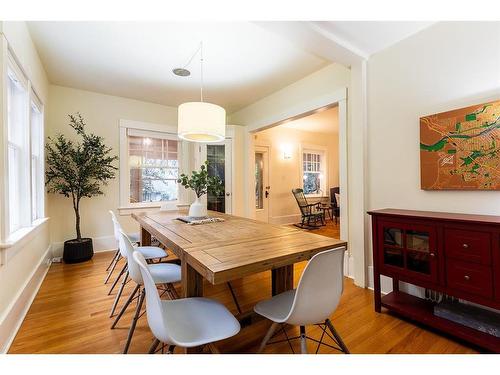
x=465, y=246
x=466, y=277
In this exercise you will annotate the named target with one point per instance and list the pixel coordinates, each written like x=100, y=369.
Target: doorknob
x=267, y=193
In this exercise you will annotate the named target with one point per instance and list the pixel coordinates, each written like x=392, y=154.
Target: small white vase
x=197, y=208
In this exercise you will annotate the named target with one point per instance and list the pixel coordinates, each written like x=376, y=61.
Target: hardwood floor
x=70, y=315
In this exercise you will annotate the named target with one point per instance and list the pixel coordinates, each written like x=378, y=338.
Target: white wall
x=447, y=66
x=24, y=263
x=298, y=94
x=102, y=114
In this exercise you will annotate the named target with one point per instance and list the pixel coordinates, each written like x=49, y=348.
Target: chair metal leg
x=112, y=266
x=303, y=340
x=337, y=336
x=122, y=271
x=119, y=294
x=124, y=308
x=268, y=335
x=117, y=252
x=153, y=346
x=171, y=291
x=235, y=300
x=134, y=320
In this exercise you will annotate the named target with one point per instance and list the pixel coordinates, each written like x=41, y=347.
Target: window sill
x=170, y=206
x=20, y=234
x=18, y=240
x=316, y=196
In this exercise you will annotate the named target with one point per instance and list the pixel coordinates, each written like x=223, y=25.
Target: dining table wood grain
x=231, y=249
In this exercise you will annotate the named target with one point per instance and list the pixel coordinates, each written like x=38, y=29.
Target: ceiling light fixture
x=200, y=121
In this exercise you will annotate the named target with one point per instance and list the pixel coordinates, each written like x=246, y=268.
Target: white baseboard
x=18, y=309
x=106, y=243
x=348, y=266
x=285, y=219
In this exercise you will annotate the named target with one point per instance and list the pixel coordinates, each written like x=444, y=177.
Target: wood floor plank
x=70, y=315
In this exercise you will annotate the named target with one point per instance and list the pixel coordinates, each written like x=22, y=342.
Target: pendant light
x=200, y=121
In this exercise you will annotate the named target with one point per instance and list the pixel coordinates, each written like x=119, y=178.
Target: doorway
x=219, y=157
x=262, y=187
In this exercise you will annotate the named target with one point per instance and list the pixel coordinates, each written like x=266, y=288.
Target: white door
x=262, y=188
x=219, y=156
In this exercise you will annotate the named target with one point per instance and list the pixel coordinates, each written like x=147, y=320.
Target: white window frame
x=23, y=166
x=38, y=200
x=155, y=131
x=323, y=152
x=10, y=236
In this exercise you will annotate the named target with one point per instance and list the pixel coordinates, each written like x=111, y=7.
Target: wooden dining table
x=231, y=249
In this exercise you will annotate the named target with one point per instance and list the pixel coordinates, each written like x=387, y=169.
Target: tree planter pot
x=78, y=251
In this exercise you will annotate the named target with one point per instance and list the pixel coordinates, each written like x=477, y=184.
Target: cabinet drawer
x=470, y=246
x=469, y=277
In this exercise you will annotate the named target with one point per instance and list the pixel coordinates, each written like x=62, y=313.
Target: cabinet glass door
x=393, y=247
x=418, y=251
x=408, y=249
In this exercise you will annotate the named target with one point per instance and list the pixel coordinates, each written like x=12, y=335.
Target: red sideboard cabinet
x=454, y=254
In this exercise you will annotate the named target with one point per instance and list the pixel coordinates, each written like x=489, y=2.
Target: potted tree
x=201, y=183
x=78, y=170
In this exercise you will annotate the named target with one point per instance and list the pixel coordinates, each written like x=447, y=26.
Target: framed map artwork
x=460, y=149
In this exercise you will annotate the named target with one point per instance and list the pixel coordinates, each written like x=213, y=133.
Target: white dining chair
x=134, y=238
x=150, y=253
x=163, y=274
x=186, y=322
x=315, y=299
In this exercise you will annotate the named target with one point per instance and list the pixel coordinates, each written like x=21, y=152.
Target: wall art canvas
x=459, y=149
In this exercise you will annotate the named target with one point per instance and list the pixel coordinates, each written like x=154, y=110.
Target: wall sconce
x=287, y=151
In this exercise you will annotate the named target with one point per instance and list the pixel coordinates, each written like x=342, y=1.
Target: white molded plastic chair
x=186, y=322
x=162, y=274
x=315, y=299
x=150, y=252
x=134, y=238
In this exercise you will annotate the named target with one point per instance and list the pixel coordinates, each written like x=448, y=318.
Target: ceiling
x=368, y=37
x=243, y=61
x=323, y=121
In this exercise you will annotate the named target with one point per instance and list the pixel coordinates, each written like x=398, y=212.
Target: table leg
x=192, y=281
x=282, y=279
x=145, y=237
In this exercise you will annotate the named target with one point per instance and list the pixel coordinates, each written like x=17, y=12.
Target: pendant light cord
x=200, y=50
x=201, y=69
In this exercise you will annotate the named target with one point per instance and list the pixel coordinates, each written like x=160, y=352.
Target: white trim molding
x=19, y=239
x=285, y=219
x=11, y=321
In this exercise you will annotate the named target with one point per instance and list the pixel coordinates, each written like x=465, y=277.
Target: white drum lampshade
x=201, y=122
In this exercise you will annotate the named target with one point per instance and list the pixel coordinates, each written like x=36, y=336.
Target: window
x=17, y=138
x=37, y=159
x=313, y=166
x=25, y=157
x=154, y=167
